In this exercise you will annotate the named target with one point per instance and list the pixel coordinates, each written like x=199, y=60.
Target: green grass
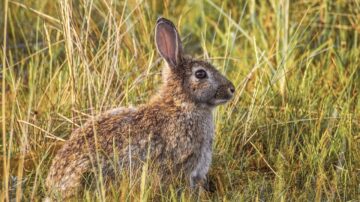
x=292, y=132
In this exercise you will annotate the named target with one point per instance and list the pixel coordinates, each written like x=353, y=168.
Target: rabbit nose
x=231, y=89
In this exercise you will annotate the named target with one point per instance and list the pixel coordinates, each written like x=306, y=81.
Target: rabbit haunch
x=174, y=130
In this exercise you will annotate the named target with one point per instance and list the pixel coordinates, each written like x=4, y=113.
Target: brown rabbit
x=175, y=129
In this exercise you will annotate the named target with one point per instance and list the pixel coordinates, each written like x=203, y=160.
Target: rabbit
x=174, y=129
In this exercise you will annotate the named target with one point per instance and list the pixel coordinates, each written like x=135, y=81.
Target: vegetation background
x=292, y=132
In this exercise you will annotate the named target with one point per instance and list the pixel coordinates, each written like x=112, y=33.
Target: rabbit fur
x=175, y=129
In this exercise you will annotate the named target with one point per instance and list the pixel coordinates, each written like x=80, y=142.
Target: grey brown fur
x=175, y=129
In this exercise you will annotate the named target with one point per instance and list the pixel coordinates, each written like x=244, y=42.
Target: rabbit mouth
x=220, y=101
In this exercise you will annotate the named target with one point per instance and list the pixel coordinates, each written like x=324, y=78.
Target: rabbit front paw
x=196, y=180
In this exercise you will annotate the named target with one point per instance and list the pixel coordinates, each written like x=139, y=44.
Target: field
x=291, y=133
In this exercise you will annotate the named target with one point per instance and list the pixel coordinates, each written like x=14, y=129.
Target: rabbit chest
x=204, y=134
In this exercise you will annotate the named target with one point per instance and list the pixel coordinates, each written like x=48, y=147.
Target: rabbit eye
x=200, y=74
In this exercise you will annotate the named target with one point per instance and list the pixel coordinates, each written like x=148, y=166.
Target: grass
x=292, y=132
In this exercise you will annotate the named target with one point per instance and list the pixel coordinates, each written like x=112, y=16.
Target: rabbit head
x=185, y=77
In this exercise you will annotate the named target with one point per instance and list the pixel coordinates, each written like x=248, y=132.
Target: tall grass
x=292, y=132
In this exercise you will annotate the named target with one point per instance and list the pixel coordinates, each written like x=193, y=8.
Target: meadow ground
x=292, y=132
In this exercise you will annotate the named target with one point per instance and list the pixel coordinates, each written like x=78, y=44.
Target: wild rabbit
x=175, y=129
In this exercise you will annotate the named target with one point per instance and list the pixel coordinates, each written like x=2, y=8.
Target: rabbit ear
x=168, y=42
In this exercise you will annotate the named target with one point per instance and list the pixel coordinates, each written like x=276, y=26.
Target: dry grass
x=292, y=133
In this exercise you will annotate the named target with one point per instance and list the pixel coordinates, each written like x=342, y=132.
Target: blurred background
x=292, y=132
